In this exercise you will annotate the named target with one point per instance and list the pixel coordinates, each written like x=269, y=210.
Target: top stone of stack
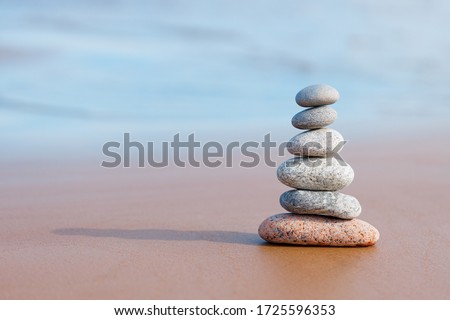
x=317, y=95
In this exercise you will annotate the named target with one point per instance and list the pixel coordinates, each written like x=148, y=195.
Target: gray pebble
x=325, y=203
x=314, y=118
x=315, y=143
x=317, y=95
x=321, y=174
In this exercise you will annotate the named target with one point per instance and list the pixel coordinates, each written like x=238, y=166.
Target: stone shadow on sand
x=166, y=235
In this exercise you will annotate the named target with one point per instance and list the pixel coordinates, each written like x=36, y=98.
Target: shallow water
x=78, y=73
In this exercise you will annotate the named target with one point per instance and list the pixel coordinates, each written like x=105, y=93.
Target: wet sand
x=85, y=232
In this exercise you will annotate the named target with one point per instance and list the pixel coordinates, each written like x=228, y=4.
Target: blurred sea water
x=74, y=74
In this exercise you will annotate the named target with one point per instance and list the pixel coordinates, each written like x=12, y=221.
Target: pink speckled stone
x=312, y=230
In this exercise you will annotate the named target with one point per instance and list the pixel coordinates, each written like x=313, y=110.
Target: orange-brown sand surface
x=79, y=231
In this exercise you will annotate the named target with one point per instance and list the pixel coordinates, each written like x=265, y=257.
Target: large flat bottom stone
x=311, y=230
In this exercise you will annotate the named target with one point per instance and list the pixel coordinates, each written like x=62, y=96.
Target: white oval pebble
x=321, y=174
x=314, y=118
x=325, y=203
x=317, y=95
x=315, y=143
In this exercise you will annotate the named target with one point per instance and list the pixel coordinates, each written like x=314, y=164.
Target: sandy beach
x=79, y=231
x=76, y=75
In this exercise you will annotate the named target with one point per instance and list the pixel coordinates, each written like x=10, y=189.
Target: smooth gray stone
x=321, y=174
x=325, y=203
x=317, y=95
x=315, y=143
x=314, y=118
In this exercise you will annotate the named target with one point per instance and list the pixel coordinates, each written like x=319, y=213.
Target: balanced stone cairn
x=318, y=214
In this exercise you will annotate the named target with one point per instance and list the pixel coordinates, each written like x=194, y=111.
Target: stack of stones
x=318, y=214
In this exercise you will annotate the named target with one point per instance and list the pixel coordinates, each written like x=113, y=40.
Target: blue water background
x=74, y=74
